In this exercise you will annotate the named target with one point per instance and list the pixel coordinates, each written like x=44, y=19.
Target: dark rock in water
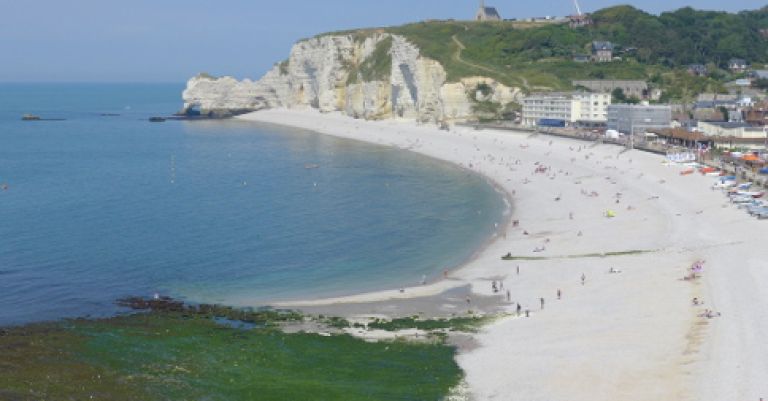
x=32, y=117
x=157, y=119
x=216, y=114
x=163, y=304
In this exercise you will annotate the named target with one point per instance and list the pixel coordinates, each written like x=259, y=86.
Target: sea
x=98, y=203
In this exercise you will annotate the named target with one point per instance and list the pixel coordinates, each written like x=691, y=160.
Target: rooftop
x=491, y=12
x=727, y=124
x=602, y=45
x=682, y=134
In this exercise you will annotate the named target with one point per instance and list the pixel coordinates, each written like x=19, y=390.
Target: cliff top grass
x=539, y=56
x=172, y=356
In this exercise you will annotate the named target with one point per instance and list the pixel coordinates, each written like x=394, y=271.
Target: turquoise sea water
x=99, y=207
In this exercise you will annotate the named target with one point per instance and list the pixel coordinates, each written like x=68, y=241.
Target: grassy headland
x=650, y=47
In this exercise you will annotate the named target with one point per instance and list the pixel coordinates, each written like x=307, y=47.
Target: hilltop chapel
x=487, y=13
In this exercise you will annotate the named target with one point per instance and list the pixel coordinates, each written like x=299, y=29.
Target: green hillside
x=654, y=48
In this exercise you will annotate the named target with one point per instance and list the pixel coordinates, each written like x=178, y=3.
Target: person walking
x=542, y=303
x=583, y=278
x=559, y=294
x=519, y=308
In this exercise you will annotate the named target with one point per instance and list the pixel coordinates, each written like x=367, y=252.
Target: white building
x=638, y=118
x=731, y=129
x=571, y=108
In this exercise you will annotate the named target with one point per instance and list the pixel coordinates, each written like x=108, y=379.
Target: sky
x=172, y=40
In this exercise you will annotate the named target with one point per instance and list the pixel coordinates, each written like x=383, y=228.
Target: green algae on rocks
x=169, y=356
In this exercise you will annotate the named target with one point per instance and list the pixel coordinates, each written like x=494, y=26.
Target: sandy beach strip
x=631, y=335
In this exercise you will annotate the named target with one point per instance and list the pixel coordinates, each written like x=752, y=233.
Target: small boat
x=311, y=166
x=30, y=117
x=157, y=119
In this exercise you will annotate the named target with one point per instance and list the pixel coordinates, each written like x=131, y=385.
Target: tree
x=618, y=96
x=761, y=83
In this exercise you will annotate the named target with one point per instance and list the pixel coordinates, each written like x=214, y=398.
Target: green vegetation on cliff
x=653, y=48
x=181, y=356
x=376, y=67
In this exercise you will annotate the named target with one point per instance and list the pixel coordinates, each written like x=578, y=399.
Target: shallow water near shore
x=103, y=206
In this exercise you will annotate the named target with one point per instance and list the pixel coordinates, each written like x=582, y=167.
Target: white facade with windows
x=573, y=108
x=731, y=129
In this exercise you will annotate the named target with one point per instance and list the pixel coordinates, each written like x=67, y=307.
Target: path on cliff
x=457, y=56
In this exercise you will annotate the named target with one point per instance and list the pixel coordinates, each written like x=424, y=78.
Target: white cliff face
x=373, y=77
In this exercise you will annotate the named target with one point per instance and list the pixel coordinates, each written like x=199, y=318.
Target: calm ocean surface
x=100, y=207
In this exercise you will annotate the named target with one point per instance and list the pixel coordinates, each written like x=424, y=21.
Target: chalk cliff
x=373, y=76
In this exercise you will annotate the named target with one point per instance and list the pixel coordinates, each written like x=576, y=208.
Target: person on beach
x=559, y=294
x=509, y=296
x=583, y=278
x=518, y=270
x=542, y=303
x=519, y=308
x=494, y=287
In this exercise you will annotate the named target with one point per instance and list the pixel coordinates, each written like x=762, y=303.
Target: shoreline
x=584, y=210
x=444, y=283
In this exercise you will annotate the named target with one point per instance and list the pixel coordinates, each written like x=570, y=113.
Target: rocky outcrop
x=371, y=76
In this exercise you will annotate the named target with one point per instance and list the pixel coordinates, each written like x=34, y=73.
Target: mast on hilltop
x=578, y=9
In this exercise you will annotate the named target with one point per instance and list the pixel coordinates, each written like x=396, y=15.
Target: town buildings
x=580, y=20
x=737, y=65
x=730, y=129
x=698, y=70
x=636, y=89
x=566, y=109
x=602, y=51
x=638, y=118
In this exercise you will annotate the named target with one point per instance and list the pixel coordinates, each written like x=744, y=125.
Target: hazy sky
x=170, y=40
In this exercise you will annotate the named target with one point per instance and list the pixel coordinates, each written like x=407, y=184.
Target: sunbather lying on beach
x=709, y=314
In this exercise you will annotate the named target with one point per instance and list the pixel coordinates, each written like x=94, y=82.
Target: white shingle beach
x=629, y=330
